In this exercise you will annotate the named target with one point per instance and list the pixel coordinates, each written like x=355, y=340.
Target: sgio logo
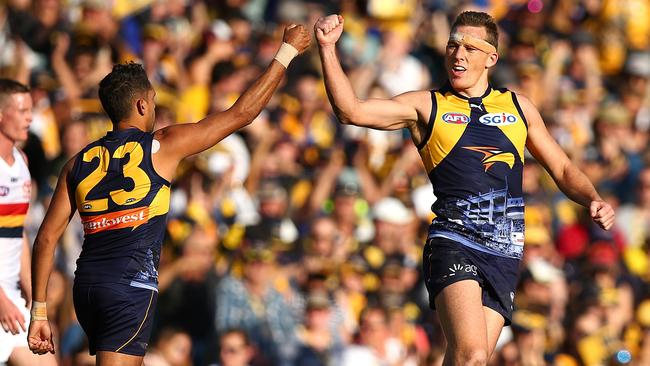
x=498, y=119
x=455, y=118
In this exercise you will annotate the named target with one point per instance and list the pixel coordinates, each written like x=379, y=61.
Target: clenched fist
x=297, y=36
x=328, y=30
x=602, y=213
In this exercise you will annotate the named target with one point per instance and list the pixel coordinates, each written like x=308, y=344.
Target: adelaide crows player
x=120, y=186
x=471, y=138
x=15, y=193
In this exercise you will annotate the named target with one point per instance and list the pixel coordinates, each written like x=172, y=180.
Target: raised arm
x=382, y=114
x=180, y=141
x=56, y=220
x=566, y=175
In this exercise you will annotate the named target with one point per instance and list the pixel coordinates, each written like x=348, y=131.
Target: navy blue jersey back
x=123, y=204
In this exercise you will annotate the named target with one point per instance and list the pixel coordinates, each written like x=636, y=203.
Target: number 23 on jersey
x=119, y=195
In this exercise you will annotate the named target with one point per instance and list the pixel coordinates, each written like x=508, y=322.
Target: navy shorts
x=115, y=317
x=446, y=261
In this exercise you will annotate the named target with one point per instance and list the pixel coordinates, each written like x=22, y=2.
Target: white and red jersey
x=15, y=192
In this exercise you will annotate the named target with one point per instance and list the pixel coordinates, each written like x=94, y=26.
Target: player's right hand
x=297, y=36
x=39, y=337
x=328, y=30
x=11, y=319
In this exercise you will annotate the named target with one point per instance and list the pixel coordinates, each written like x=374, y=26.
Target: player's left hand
x=39, y=337
x=328, y=29
x=602, y=213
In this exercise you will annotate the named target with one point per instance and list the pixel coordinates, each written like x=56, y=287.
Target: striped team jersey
x=15, y=192
x=474, y=155
x=123, y=205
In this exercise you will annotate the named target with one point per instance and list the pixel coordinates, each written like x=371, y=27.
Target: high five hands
x=297, y=36
x=328, y=29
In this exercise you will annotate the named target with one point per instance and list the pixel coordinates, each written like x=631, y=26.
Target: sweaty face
x=16, y=116
x=466, y=64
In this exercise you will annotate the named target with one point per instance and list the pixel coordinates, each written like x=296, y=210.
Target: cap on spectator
x=318, y=299
x=271, y=190
x=402, y=29
x=542, y=271
x=638, y=64
x=602, y=253
x=256, y=254
x=527, y=320
x=615, y=113
x=221, y=30
x=154, y=32
x=347, y=184
x=392, y=210
x=422, y=198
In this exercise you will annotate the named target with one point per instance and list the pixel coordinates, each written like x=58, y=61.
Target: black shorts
x=115, y=317
x=446, y=262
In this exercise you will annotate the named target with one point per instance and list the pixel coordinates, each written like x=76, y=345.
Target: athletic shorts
x=115, y=317
x=8, y=341
x=446, y=261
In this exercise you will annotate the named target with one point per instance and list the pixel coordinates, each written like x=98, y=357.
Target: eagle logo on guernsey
x=492, y=155
x=116, y=220
x=455, y=118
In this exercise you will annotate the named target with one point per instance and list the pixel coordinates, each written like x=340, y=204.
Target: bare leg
x=22, y=356
x=494, y=322
x=470, y=328
x=105, y=358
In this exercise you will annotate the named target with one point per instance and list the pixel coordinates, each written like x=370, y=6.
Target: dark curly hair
x=120, y=87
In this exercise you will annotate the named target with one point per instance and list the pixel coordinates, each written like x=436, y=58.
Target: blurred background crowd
x=297, y=241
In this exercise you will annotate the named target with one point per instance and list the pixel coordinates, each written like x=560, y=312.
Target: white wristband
x=285, y=54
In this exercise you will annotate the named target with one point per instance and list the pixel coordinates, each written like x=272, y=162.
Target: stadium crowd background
x=306, y=235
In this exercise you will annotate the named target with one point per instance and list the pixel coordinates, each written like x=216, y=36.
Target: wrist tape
x=285, y=54
x=39, y=311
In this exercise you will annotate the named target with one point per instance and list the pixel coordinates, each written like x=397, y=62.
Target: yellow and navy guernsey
x=474, y=153
x=123, y=204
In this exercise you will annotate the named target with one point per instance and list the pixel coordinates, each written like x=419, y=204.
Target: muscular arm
x=382, y=114
x=566, y=175
x=180, y=141
x=56, y=219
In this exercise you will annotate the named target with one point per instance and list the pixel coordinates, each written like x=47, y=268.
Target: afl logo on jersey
x=4, y=191
x=455, y=118
x=498, y=119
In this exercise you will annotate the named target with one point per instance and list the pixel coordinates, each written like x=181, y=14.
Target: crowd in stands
x=298, y=240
